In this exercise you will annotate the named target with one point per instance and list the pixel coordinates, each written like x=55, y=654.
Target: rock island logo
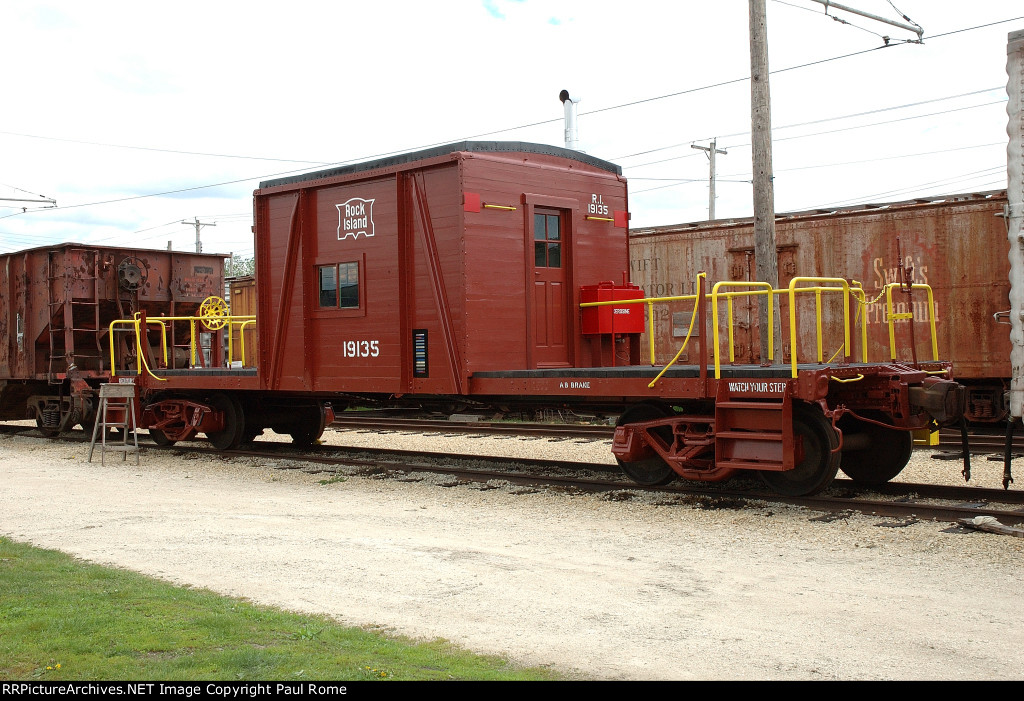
x=355, y=217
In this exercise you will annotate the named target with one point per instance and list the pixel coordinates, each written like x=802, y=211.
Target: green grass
x=62, y=619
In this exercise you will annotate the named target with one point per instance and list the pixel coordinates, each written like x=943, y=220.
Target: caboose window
x=328, y=286
x=547, y=241
x=348, y=285
x=339, y=285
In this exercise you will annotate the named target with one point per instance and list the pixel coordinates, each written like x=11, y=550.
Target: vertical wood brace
x=291, y=260
x=406, y=280
x=422, y=210
x=307, y=221
x=528, y=262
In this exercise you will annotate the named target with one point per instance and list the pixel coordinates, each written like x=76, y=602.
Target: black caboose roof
x=471, y=146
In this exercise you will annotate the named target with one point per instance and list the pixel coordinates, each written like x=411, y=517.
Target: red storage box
x=624, y=319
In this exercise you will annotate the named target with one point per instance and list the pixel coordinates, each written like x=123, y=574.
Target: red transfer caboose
x=495, y=273
x=405, y=276
x=409, y=274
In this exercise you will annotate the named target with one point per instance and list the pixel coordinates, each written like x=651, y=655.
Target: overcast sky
x=135, y=116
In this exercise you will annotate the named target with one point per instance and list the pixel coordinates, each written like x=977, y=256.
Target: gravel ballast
x=593, y=587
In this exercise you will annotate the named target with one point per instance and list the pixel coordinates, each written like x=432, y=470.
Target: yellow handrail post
x=817, y=314
x=890, y=321
x=836, y=283
x=689, y=331
x=732, y=343
x=863, y=300
x=241, y=336
x=650, y=331
x=715, y=294
x=893, y=317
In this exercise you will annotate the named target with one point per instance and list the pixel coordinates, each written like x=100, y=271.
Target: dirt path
x=604, y=589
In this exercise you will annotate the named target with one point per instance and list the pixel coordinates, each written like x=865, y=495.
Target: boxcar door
x=746, y=330
x=550, y=291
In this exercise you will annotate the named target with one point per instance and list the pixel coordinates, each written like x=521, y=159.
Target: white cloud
x=334, y=82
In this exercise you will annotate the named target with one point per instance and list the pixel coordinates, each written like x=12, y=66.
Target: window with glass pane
x=348, y=285
x=328, y=285
x=339, y=285
x=547, y=241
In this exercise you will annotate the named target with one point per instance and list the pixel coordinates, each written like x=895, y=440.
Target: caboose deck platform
x=676, y=371
x=207, y=372
x=813, y=381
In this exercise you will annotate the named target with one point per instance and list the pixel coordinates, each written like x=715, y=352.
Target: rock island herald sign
x=355, y=218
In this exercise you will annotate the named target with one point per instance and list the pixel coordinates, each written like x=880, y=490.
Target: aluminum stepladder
x=116, y=410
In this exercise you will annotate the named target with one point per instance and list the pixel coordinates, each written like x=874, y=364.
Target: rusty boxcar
x=56, y=307
x=955, y=243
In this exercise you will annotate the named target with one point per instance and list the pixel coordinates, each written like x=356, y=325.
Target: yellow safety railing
x=893, y=317
x=715, y=294
x=693, y=317
x=650, y=302
x=800, y=285
x=825, y=284
x=245, y=321
x=136, y=324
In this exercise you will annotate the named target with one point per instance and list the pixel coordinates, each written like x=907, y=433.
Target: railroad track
x=442, y=426
x=980, y=441
x=905, y=503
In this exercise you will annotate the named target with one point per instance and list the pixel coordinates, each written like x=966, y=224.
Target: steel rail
x=843, y=496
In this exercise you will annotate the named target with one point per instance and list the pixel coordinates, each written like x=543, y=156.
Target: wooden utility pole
x=198, y=225
x=711, y=151
x=765, y=252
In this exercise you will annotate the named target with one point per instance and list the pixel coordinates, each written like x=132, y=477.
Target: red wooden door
x=550, y=291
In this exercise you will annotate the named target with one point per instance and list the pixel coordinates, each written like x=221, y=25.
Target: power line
x=497, y=131
x=158, y=150
x=827, y=119
x=873, y=160
x=475, y=136
x=963, y=177
x=866, y=160
x=739, y=177
x=836, y=131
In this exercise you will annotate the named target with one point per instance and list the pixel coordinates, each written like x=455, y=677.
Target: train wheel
x=160, y=438
x=650, y=471
x=886, y=453
x=311, y=426
x=819, y=465
x=306, y=436
x=234, y=423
